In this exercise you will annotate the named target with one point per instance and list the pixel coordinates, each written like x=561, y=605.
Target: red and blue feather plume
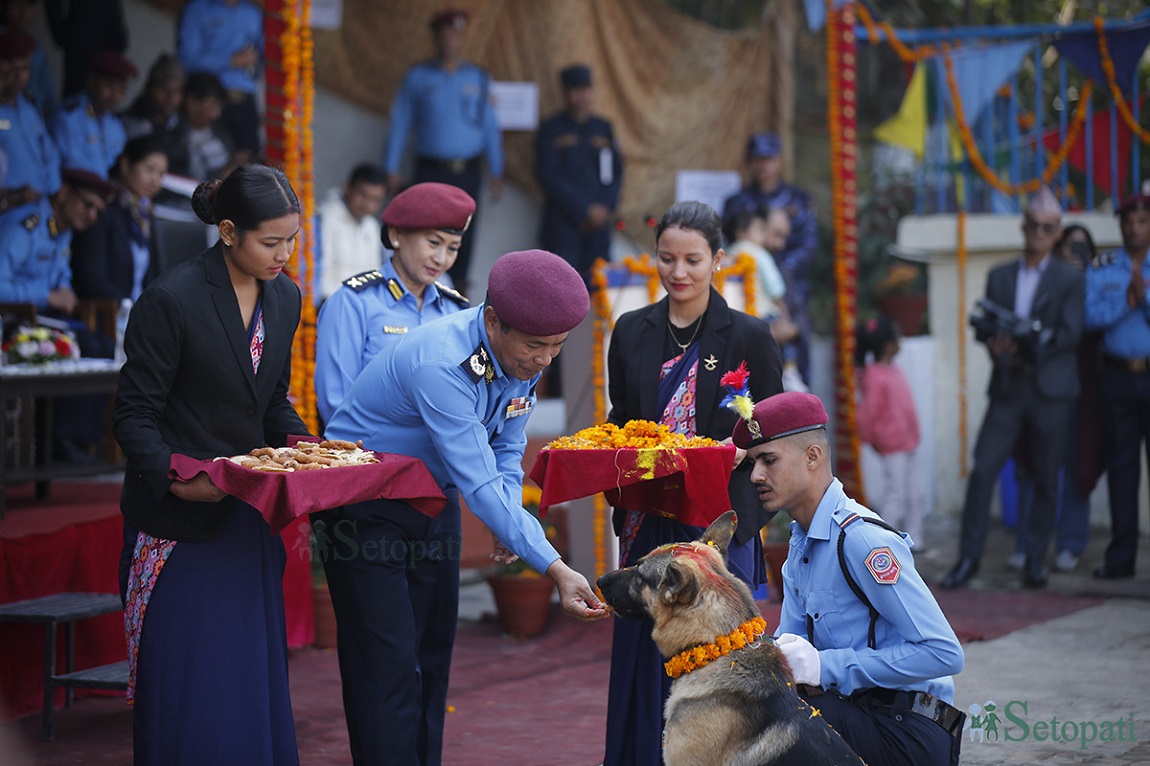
x=738, y=398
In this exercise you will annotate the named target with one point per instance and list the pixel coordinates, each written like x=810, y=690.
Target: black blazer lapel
x=1047, y=286
x=651, y=360
x=228, y=310
x=712, y=346
x=272, y=304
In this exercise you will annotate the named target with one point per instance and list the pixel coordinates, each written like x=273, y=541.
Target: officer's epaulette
x=452, y=294
x=362, y=281
x=31, y=222
x=478, y=365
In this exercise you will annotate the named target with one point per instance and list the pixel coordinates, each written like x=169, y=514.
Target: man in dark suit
x=1032, y=387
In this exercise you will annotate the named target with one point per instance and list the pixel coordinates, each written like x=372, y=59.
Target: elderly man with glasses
x=1032, y=387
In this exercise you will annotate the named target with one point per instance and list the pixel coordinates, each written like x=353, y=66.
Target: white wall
x=990, y=240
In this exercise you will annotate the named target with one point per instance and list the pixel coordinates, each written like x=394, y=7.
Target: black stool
x=66, y=609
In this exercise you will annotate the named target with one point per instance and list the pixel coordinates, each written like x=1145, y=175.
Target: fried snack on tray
x=305, y=456
x=635, y=434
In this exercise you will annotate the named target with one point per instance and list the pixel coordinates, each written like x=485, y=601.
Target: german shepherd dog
x=740, y=709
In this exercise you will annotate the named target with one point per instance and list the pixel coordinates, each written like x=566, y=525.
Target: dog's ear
x=719, y=534
x=678, y=585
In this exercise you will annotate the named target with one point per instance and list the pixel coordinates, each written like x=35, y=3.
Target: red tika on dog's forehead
x=694, y=550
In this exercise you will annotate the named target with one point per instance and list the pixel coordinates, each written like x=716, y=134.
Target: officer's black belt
x=1139, y=364
x=929, y=706
x=449, y=165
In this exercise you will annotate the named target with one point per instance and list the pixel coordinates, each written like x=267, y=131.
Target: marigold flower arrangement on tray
x=39, y=345
x=635, y=434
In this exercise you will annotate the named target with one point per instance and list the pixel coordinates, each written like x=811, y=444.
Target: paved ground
x=541, y=702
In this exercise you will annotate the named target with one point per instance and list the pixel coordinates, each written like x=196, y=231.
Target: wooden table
x=43, y=383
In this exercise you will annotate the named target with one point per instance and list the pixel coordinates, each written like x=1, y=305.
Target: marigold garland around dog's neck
x=700, y=656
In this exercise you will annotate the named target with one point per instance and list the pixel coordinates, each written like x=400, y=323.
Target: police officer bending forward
x=456, y=393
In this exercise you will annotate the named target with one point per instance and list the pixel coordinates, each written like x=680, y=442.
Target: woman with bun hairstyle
x=208, y=362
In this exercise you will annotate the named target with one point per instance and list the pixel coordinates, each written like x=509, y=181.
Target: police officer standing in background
x=31, y=160
x=867, y=643
x=1117, y=304
x=425, y=225
x=455, y=393
x=580, y=169
x=446, y=102
x=767, y=190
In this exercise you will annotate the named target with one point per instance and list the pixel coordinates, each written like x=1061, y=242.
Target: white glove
x=802, y=657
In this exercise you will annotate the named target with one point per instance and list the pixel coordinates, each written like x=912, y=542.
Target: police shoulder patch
x=452, y=295
x=478, y=365
x=883, y=566
x=363, y=281
x=31, y=222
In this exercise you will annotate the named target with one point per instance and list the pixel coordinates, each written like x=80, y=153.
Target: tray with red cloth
x=689, y=483
x=283, y=496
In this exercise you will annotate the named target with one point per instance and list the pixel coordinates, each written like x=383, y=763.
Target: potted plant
x=901, y=295
x=522, y=595
x=776, y=538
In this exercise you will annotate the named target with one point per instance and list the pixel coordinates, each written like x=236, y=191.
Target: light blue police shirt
x=370, y=311
x=1126, y=330
x=212, y=31
x=451, y=114
x=88, y=141
x=916, y=649
x=33, y=255
x=33, y=158
x=439, y=394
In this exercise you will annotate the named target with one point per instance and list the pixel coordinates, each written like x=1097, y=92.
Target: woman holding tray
x=664, y=364
x=208, y=361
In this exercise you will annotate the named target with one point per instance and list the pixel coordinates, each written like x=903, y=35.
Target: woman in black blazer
x=664, y=364
x=208, y=363
x=113, y=258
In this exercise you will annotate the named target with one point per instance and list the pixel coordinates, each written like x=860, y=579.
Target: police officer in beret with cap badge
x=87, y=130
x=581, y=170
x=446, y=103
x=455, y=393
x=424, y=225
x=1117, y=305
x=867, y=643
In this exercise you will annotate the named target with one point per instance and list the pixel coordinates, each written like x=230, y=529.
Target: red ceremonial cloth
x=690, y=484
x=281, y=497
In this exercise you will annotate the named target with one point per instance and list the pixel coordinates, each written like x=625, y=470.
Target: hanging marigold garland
x=604, y=322
x=1112, y=81
x=842, y=123
x=975, y=157
x=907, y=55
x=291, y=102
x=960, y=263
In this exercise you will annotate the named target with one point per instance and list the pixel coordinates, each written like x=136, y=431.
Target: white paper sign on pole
x=516, y=105
x=710, y=186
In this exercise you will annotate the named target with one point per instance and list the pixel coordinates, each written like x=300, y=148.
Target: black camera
x=989, y=320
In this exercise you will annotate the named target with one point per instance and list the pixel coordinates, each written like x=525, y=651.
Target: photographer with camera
x=1030, y=321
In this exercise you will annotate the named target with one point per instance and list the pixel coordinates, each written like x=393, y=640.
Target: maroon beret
x=780, y=415
x=454, y=18
x=112, y=64
x=537, y=293
x=16, y=45
x=1134, y=202
x=430, y=206
x=86, y=179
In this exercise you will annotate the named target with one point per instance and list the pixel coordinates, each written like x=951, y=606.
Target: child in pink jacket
x=888, y=422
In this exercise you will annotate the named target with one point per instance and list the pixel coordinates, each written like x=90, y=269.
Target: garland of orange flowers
x=297, y=62
x=1112, y=81
x=844, y=205
x=696, y=657
x=960, y=262
x=744, y=266
x=635, y=434
x=979, y=164
x=906, y=54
